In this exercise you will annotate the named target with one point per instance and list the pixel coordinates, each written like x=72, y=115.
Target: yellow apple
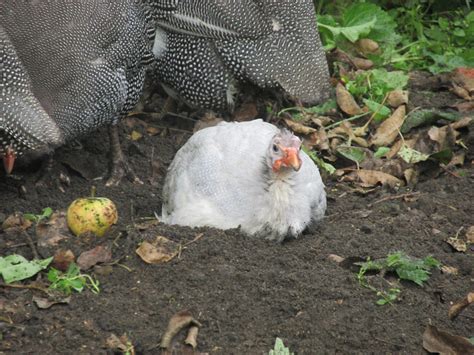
x=91, y=214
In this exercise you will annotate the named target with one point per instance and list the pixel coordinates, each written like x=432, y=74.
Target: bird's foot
x=120, y=165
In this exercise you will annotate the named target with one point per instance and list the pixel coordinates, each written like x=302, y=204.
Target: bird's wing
x=213, y=18
x=215, y=165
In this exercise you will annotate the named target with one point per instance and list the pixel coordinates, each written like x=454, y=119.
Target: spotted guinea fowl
x=205, y=49
x=67, y=70
x=249, y=174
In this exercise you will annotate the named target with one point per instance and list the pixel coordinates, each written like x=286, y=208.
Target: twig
x=196, y=238
x=30, y=287
x=17, y=245
x=396, y=197
x=32, y=246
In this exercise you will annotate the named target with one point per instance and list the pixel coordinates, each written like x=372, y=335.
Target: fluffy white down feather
x=221, y=178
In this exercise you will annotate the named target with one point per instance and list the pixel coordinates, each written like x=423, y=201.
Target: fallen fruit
x=91, y=214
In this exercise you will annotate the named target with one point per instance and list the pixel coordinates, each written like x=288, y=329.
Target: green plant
x=71, y=280
x=37, y=218
x=406, y=268
x=280, y=348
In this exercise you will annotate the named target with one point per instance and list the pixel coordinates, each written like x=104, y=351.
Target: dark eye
x=275, y=148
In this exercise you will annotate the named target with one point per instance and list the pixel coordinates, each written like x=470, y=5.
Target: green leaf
x=320, y=162
x=382, y=111
x=16, y=267
x=411, y=156
x=280, y=348
x=355, y=154
x=443, y=156
x=381, y=151
x=425, y=117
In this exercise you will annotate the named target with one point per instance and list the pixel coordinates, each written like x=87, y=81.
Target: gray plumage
x=68, y=68
x=203, y=55
x=224, y=177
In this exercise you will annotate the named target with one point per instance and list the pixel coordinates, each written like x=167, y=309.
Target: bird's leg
x=120, y=165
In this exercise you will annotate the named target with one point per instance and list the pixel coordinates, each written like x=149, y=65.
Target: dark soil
x=245, y=292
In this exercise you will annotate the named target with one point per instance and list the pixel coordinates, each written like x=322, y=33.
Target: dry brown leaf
x=464, y=122
x=152, y=131
x=177, y=322
x=318, y=139
x=159, y=251
x=411, y=176
x=191, y=338
x=51, y=232
x=361, y=63
x=16, y=221
x=459, y=306
x=444, y=343
x=460, y=91
x=457, y=244
x=388, y=130
x=464, y=77
x=445, y=136
x=367, y=46
x=370, y=178
x=458, y=159
x=346, y=102
x=449, y=270
x=470, y=235
x=45, y=303
x=321, y=121
x=397, y=98
x=62, y=259
x=336, y=258
x=122, y=344
x=100, y=254
x=299, y=128
x=464, y=106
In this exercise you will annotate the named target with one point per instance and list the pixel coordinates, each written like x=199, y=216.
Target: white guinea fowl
x=249, y=174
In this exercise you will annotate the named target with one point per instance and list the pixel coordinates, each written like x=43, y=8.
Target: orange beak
x=291, y=159
x=9, y=160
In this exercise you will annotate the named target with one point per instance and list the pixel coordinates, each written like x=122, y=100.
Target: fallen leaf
x=135, y=135
x=367, y=46
x=191, y=338
x=318, y=139
x=464, y=106
x=160, y=251
x=459, y=306
x=122, y=344
x=464, y=122
x=411, y=156
x=152, y=131
x=445, y=137
x=299, y=128
x=45, y=303
x=457, y=244
x=16, y=221
x=346, y=102
x=397, y=98
x=437, y=341
x=449, y=270
x=460, y=91
x=370, y=178
x=464, y=77
x=100, y=254
x=389, y=129
x=51, y=232
x=362, y=63
x=336, y=258
x=470, y=235
x=177, y=322
x=62, y=259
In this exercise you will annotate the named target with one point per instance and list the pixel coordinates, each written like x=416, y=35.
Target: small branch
x=29, y=287
x=396, y=197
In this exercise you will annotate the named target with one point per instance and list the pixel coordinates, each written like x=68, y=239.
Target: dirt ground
x=245, y=292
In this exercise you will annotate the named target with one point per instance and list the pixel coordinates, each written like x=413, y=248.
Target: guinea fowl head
x=284, y=152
